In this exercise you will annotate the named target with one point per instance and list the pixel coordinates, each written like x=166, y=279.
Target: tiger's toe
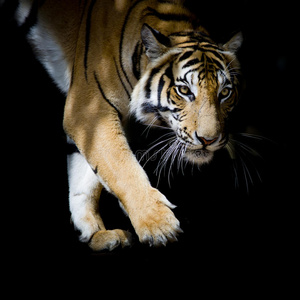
x=110, y=239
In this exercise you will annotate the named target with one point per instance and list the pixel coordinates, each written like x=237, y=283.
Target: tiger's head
x=190, y=85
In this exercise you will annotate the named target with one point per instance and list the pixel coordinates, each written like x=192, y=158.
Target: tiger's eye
x=184, y=90
x=225, y=92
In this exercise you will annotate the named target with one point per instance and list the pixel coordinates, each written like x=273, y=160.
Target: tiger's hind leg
x=84, y=194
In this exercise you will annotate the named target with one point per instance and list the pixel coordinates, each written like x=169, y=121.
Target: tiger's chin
x=199, y=156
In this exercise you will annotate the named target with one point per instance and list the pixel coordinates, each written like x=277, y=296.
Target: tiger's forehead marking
x=204, y=61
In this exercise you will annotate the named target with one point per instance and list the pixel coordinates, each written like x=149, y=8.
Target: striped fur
x=207, y=72
x=148, y=58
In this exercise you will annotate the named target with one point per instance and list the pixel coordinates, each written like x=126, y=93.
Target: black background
x=244, y=235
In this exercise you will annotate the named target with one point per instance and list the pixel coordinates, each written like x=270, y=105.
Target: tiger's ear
x=156, y=44
x=234, y=44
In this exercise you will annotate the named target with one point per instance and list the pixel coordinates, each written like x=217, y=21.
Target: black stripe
x=184, y=80
x=104, y=97
x=215, y=53
x=72, y=77
x=169, y=73
x=191, y=63
x=206, y=58
x=200, y=77
x=123, y=84
x=122, y=38
x=186, y=55
x=192, y=70
x=161, y=85
x=149, y=82
x=216, y=62
x=95, y=170
x=189, y=44
x=163, y=108
x=149, y=108
x=210, y=45
x=136, y=60
x=87, y=36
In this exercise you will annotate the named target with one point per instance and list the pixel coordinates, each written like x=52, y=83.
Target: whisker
x=180, y=158
x=228, y=65
x=155, y=153
x=149, y=126
x=153, y=125
x=172, y=134
x=173, y=157
x=247, y=148
x=246, y=173
x=164, y=160
x=229, y=147
x=242, y=156
x=235, y=69
x=256, y=137
x=242, y=151
x=154, y=146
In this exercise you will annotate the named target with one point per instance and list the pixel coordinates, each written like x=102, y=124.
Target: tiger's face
x=190, y=85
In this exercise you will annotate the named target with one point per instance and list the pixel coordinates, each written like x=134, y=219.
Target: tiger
x=116, y=59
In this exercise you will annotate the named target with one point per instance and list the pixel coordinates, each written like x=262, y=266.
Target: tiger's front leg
x=95, y=126
x=84, y=194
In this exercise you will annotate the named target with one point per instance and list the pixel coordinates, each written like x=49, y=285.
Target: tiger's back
x=60, y=28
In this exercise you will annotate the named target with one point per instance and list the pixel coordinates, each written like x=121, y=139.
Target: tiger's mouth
x=199, y=156
x=199, y=152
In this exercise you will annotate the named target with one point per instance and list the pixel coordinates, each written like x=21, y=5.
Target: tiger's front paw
x=110, y=239
x=154, y=222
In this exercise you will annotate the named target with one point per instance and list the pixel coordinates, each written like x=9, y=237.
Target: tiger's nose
x=205, y=141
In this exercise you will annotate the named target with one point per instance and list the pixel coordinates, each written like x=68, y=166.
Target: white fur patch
x=83, y=207
x=51, y=56
x=46, y=48
x=23, y=11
